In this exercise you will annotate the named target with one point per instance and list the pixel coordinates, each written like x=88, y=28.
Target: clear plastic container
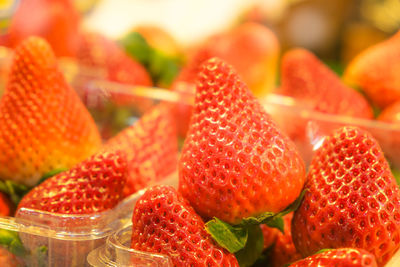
x=50, y=239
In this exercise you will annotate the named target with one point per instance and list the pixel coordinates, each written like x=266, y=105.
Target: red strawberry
x=314, y=85
x=391, y=113
x=235, y=162
x=284, y=251
x=98, y=51
x=44, y=126
x=92, y=186
x=6, y=208
x=151, y=146
x=375, y=71
x=352, y=199
x=57, y=21
x=269, y=235
x=344, y=257
x=164, y=222
x=7, y=259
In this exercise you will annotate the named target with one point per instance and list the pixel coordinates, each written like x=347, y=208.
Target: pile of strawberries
x=245, y=196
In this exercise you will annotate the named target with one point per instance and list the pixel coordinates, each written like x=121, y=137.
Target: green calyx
x=16, y=191
x=246, y=239
x=162, y=68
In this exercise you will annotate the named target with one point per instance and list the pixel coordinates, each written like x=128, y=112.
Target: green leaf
x=276, y=222
x=137, y=47
x=14, y=190
x=270, y=218
x=323, y=250
x=253, y=249
x=11, y=241
x=51, y=174
x=227, y=236
x=162, y=68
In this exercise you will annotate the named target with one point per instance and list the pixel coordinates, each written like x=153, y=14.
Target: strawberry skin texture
x=164, y=222
x=375, y=71
x=98, y=51
x=314, y=85
x=344, y=257
x=92, y=186
x=151, y=146
x=284, y=251
x=352, y=198
x=43, y=124
x=235, y=162
x=57, y=21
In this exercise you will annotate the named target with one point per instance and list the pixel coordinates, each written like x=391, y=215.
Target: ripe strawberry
x=57, y=21
x=6, y=208
x=391, y=113
x=98, y=51
x=7, y=259
x=343, y=257
x=269, y=235
x=389, y=139
x=43, y=124
x=235, y=162
x=151, y=146
x=164, y=222
x=92, y=186
x=315, y=86
x=284, y=251
x=352, y=199
x=375, y=71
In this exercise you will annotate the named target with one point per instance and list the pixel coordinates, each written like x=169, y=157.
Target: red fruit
x=375, y=71
x=284, y=251
x=44, y=126
x=391, y=113
x=344, y=257
x=269, y=235
x=352, y=199
x=7, y=259
x=6, y=208
x=151, y=146
x=98, y=51
x=315, y=86
x=92, y=186
x=164, y=222
x=235, y=162
x=57, y=21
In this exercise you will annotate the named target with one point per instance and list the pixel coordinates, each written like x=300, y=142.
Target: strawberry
x=375, y=71
x=315, y=86
x=351, y=200
x=269, y=235
x=43, y=124
x=343, y=257
x=151, y=146
x=235, y=162
x=6, y=208
x=98, y=51
x=57, y=21
x=164, y=222
x=284, y=251
x=391, y=113
x=92, y=186
x=7, y=259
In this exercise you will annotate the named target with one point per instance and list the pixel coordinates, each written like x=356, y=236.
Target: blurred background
x=334, y=30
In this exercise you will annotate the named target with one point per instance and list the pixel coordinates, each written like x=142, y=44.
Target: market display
x=237, y=150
